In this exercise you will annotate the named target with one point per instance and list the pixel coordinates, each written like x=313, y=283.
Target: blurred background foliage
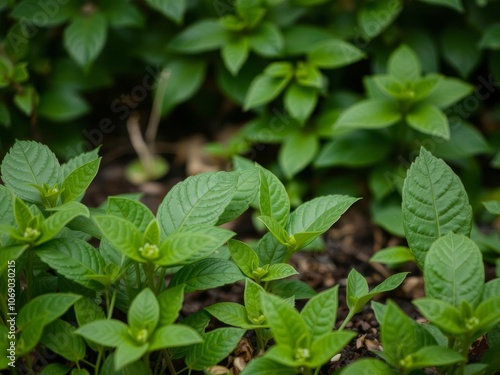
x=335, y=96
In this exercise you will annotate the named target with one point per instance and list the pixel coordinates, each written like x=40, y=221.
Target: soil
x=348, y=244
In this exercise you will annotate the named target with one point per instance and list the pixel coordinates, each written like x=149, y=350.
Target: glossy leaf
x=404, y=64
x=429, y=119
x=263, y=89
x=105, y=332
x=234, y=54
x=369, y=114
x=334, y=53
x=170, y=302
x=205, y=35
x=274, y=201
x=144, y=311
x=297, y=152
x=320, y=313
x=244, y=257
x=174, y=336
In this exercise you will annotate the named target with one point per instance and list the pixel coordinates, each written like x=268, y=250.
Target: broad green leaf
x=430, y=356
x=230, y=313
x=487, y=314
x=319, y=214
x=429, y=119
x=59, y=337
x=105, y=332
x=128, y=351
x=152, y=233
x=247, y=189
x=460, y=49
x=292, y=288
x=491, y=37
x=434, y=203
x=217, y=345
x=85, y=37
x=453, y=270
x=404, y=64
x=270, y=251
x=29, y=163
x=297, y=152
x=448, y=91
x=453, y=4
x=135, y=212
x=425, y=86
x=244, y=257
x=300, y=101
x=369, y=366
x=43, y=14
x=375, y=16
x=180, y=79
x=62, y=105
x=354, y=149
x=253, y=302
x=138, y=367
x=393, y=255
x=121, y=13
x=173, y=9
x=266, y=40
x=334, y=53
x=144, y=311
x=60, y=218
x=87, y=311
x=207, y=274
x=287, y=326
x=301, y=38
x=122, y=235
x=174, y=336
x=286, y=355
x=205, y=35
x=273, y=198
x=392, y=282
x=442, y=314
x=263, y=89
x=55, y=369
x=320, y=313
x=9, y=254
x=199, y=199
x=73, y=258
x=369, y=114
x=78, y=181
x=250, y=11
x=235, y=53
x=275, y=229
x=326, y=346
x=30, y=336
x=77, y=162
x=22, y=214
x=266, y=366
x=493, y=207
x=170, y=302
x=279, y=69
x=356, y=287
x=45, y=308
x=279, y=271
x=191, y=243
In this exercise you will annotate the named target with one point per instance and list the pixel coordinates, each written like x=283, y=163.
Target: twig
x=140, y=147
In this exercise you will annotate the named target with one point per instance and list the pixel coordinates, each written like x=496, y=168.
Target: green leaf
x=144, y=311
x=453, y=4
x=217, y=345
x=207, y=274
x=279, y=69
x=47, y=307
x=104, y=332
x=273, y=198
x=266, y=366
x=131, y=210
x=297, y=152
x=326, y=346
x=170, y=302
x=230, y=313
x=59, y=337
x=87, y=311
x=62, y=105
x=29, y=163
x=27, y=100
x=448, y=91
x=55, y=369
x=300, y=38
x=375, y=16
x=493, y=207
x=62, y=216
x=434, y=204
x=4, y=115
x=430, y=356
x=286, y=356
x=172, y=9
x=300, y=101
x=263, y=89
x=292, y=288
x=77, y=182
x=174, y=336
x=30, y=336
x=266, y=40
x=287, y=326
x=404, y=64
x=453, y=270
x=121, y=13
x=357, y=286
x=279, y=271
x=253, y=302
x=370, y=366
x=275, y=228
x=429, y=119
x=334, y=53
x=235, y=53
x=85, y=37
x=128, y=351
x=369, y=114
x=491, y=37
x=199, y=199
x=23, y=216
x=190, y=243
x=205, y=35
x=442, y=314
x=460, y=49
x=244, y=257
x=73, y=258
x=393, y=256
x=320, y=313
x=78, y=161
x=487, y=314
x=247, y=189
x=180, y=80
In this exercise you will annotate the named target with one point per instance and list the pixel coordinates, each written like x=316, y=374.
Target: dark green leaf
x=404, y=64
x=266, y=40
x=59, y=337
x=173, y=9
x=491, y=37
x=334, y=53
x=205, y=35
x=263, y=89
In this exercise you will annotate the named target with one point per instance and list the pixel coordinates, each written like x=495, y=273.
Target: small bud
x=149, y=252
x=31, y=234
x=302, y=354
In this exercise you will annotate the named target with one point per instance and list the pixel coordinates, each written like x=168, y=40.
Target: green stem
x=111, y=305
x=146, y=359
x=170, y=364
x=29, y=274
x=149, y=270
x=346, y=320
x=98, y=361
x=261, y=345
x=137, y=275
x=161, y=281
x=316, y=372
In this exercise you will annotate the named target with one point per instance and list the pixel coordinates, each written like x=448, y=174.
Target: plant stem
x=29, y=274
x=161, y=281
x=170, y=364
x=99, y=359
x=346, y=320
x=137, y=275
x=149, y=270
x=112, y=304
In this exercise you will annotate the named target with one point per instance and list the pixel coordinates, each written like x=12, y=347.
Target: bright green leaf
x=369, y=114
x=429, y=119
x=297, y=151
x=404, y=64
x=334, y=53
